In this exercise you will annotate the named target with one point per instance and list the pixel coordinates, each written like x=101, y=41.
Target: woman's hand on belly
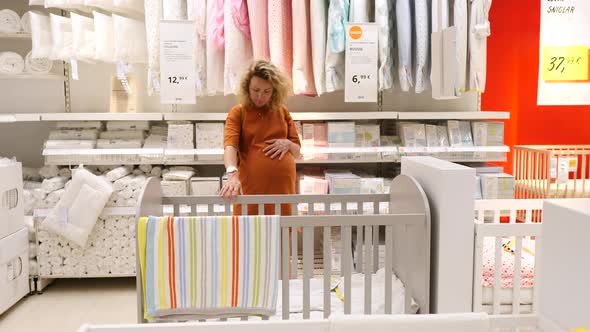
x=277, y=148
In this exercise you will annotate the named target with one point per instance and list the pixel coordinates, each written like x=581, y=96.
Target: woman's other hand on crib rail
x=232, y=187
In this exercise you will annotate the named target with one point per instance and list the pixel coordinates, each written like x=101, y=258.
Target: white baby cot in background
x=404, y=233
x=552, y=171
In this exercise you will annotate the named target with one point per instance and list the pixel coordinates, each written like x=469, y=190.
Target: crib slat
x=227, y=209
x=210, y=209
x=368, y=269
x=480, y=215
x=294, y=249
x=512, y=216
x=307, y=268
x=538, y=281
x=497, y=275
x=517, y=276
x=327, y=270
x=407, y=279
x=343, y=208
x=278, y=209
x=346, y=265
x=478, y=274
x=496, y=216
x=528, y=216
x=388, y=267
x=260, y=209
x=176, y=210
x=359, y=250
x=375, y=248
x=285, y=273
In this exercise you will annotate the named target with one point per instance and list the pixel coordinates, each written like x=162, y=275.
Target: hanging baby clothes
x=360, y=11
x=404, y=43
x=318, y=19
x=440, y=21
x=337, y=17
x=422, y=16
x=215, y=52
x=153, y=15
x=280, y=35
x=238, y=48
x=303, y=83
x=384, y=19
x=479, y=30
x=175, y=9
x=460, y=23
x=197, y=11
x=258, y=14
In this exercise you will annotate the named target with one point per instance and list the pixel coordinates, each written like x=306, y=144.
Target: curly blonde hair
x=269, y=72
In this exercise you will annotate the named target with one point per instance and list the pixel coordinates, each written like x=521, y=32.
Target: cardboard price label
x=565, y=63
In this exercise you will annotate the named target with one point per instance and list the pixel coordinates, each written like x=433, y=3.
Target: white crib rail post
x=368, y=269
x=477, y=270
x=497, y=274
x=285, y=273
x=388, y=267
x=346, y=267
x=327, y=270
x=517, y=276
x=308, y=260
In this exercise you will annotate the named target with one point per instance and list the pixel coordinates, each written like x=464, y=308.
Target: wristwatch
x=231, y=169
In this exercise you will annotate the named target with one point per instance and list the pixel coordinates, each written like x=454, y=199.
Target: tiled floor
x=68, y=303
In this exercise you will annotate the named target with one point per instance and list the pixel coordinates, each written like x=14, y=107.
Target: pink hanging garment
x=215, y=55
x=258, y=14
x=238, y=51
x=303, y=81
x=280, y=35
x=239, y=11
x=217, y=23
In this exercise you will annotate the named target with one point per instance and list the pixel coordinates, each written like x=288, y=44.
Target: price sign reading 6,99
x=565, y=63
x=361, y=63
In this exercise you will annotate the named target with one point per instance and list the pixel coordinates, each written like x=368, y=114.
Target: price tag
x=361, y=63
x=177, y=62
x=565, y=63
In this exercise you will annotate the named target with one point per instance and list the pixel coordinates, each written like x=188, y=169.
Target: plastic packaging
x=83, y=38
x=130, y=40
x=61, y=33
x=40, y=35
x=104, y=34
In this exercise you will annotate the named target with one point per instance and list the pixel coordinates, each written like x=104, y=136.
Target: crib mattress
x=572, y=186
x=526, y=295
x=337, y=305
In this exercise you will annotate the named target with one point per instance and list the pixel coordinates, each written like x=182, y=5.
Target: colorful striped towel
x=209, y=267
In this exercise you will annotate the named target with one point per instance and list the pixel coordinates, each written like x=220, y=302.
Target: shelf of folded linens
x=460, y=153
x=28, y=76
x=15, y=35
x=101, y=116
x=481, y=115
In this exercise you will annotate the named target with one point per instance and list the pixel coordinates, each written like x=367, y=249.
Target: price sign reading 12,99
x=565, y=63
x=177, y=65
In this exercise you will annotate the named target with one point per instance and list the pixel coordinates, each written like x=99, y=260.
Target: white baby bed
x=497, y=299
x=405, y=229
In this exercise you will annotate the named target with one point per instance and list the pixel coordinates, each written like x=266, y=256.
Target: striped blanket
x=209, y=267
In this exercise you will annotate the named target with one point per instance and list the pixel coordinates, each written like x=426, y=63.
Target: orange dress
x=259, y=174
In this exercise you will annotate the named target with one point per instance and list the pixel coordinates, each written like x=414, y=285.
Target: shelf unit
x=297, y=116
x=15, y=35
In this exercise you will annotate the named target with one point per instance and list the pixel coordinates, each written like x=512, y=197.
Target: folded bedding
x=37, y=65
x=11, y=63
x=508, y=259
x=10, y=21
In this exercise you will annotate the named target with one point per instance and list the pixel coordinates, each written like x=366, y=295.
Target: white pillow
x=83, y=38
x=77, y=211
x=61, y=33
x=130, y=40
x=104, y=34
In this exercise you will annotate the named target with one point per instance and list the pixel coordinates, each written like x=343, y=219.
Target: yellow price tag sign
x=565, y=63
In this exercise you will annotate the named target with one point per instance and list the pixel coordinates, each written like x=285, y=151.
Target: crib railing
x=546, y=171
x=520, y=225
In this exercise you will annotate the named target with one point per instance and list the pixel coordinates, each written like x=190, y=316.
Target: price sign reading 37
x=565, y=63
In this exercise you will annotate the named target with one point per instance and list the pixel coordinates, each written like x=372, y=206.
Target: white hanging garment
x=238, y=52
x=215, y=55
x=404, y=43
x=318, y=19
x=61, y=33
x=83, y=38
x=175, y=9
x=130, y=40
x=337, y=16
x=440, y=15
x=422, y=16
x=104, y=33
x=460, y=23
x=153, y=15
x=360, y=11
x=130, y=6
x=384, y=19
x=479, y=30
x=40, y=35
x=197, y=11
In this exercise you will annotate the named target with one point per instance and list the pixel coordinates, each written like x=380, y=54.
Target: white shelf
x=15, y=35
x=195, y=116
x=101, y=116
x=24, y=117
x=433, y=149
x=28, y=76
x=316, y=116
x=453, y=115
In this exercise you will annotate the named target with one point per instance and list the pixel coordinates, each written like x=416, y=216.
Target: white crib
x=496, y=223
x=404, y=232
